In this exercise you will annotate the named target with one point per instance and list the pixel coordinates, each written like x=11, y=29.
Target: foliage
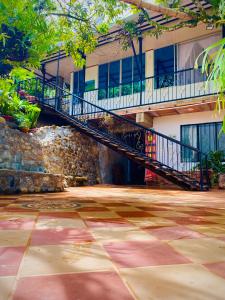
x=26, y=114
x=215, y=163
x=213, y=65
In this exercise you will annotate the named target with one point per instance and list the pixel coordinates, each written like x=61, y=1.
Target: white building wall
x=170, y=125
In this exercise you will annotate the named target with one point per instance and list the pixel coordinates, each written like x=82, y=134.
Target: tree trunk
x=160, y=9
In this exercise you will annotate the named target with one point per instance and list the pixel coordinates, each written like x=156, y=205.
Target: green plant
x=215, y=164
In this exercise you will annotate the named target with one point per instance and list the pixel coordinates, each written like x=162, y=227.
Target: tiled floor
x=106, y=243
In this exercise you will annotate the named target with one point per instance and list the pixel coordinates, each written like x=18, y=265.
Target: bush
x=25, y=113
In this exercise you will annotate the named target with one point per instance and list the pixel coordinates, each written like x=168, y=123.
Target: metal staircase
x=183, y=165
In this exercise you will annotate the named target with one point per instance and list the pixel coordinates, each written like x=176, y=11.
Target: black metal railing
x=171, y=154
x=179, y=85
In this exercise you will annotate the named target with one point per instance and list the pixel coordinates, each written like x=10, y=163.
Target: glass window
x=187, y=54
x=110, y=76
x=114, y=79
x=136, y=74
x=103, y=74
x=127, y=76
x=164, y=65
x=205, y=137
x=78, y=83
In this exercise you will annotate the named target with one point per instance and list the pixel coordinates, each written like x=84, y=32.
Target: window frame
x=216, y=124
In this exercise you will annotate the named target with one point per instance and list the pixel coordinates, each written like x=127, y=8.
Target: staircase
x=183, y=165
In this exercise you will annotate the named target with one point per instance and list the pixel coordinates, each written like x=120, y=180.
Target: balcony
x=180, y=85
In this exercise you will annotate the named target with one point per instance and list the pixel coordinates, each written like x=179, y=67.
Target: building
x=153, y=83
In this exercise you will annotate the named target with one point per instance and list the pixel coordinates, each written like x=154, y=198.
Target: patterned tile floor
x=107, y=243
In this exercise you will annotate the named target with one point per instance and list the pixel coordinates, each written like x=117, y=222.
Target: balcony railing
x=179, y=85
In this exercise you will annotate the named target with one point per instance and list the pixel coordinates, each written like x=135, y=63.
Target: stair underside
x=176, y=177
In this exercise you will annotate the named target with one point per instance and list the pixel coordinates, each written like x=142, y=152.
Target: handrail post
x=43, y=70
x=140, y=40
x=201, y=172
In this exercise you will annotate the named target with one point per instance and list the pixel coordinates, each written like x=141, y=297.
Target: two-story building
x=153, y=83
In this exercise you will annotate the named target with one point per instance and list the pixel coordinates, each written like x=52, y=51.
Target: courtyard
x=113, y=243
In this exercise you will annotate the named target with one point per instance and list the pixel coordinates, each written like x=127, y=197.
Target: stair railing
x=186, y=161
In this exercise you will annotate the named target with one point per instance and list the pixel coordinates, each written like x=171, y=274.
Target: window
x=114, y=79
x=103, y=81
x=131, y=75
x=78, y=83
x=187, y=53
x=164, y=66
x=89, y=85
x=126, y=72
x=205, y=137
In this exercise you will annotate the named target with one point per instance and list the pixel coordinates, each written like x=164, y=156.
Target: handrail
x=169, y=152
x=121, y=117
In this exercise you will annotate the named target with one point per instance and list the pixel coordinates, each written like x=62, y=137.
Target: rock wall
x=50, y=149
x=14, y=181
x=68, y=152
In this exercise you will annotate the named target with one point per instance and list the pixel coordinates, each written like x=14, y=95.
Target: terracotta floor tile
x=177, y=282
x=125, y=208
x=153, y=208
x=133, y=214
x=204, y=250
x=190, y=220
x=107, y=223
x=13, y=238
x=143, y=253
x=61, y=259
x=97, y=208
x=121, y=234
x=58, y=214
x=86, y=286
x=165, y=214
x=103, y=215
x=6, y=286
x=174, y=233
x=60, y=236
x=217, y=268
x=201, y=213
x=115, y=204
x=10, y=258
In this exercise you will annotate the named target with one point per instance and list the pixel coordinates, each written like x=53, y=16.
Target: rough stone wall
x=68, y=152
x=20, y=151
x=50, y=149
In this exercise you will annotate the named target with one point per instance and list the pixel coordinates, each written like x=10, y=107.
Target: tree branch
x=160, y=9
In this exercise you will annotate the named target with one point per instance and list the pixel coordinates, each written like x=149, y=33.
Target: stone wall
x=50, y=149
x=14, y=181
x=68, y=152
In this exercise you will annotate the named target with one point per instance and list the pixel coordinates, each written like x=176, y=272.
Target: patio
x=109, y=243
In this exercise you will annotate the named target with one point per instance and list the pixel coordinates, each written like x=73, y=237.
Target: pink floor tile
x=10, y=258
x=17, y=223
x=217, y=268
x=60, y=236
x=86, y=286
x=95, y=223
x=133, y=214
x=174, y=233
x=142, y=254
